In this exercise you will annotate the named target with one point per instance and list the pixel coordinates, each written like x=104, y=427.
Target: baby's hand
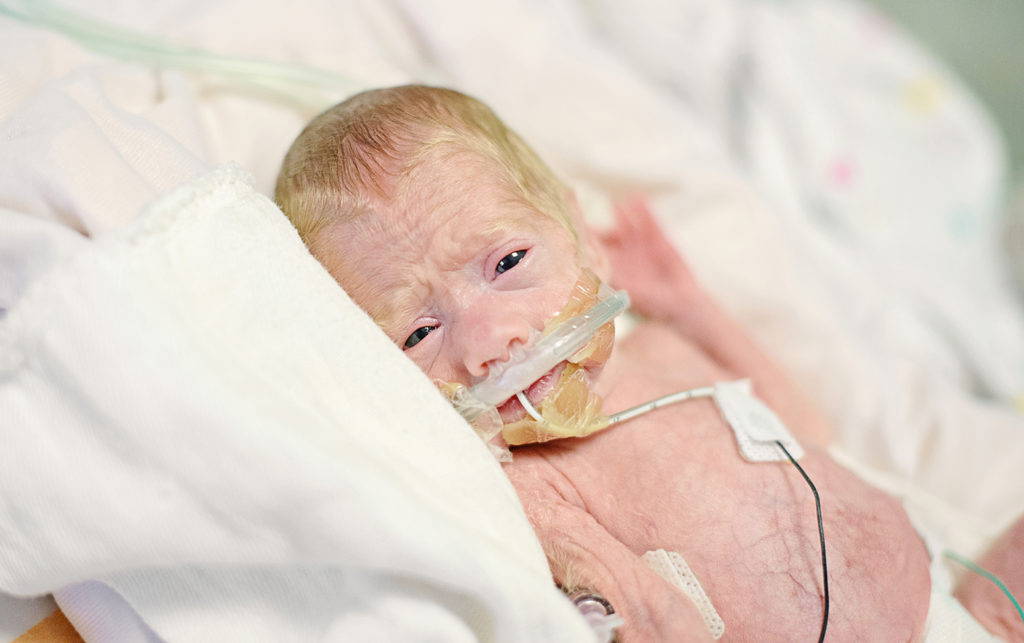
x=1005, y=559
x=646, y=264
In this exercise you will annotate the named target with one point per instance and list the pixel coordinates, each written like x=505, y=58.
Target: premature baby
x=462, y=245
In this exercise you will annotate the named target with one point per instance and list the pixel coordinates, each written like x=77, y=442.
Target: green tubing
x=987, y=574
x=321, y=86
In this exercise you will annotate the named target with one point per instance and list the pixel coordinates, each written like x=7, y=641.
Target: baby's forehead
x=445, y=210
x=472, y=201
x=452, y=231
x=445, y=223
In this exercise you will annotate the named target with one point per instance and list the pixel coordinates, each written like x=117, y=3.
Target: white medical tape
x=673, y=568
x=756, y=427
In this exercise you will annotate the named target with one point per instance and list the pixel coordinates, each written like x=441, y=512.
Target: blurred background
x=983, y=42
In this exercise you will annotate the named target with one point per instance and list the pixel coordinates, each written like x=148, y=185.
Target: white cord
x=529, y=407
x=629, y=414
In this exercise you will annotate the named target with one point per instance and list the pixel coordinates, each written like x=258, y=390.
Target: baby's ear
x=594, y=254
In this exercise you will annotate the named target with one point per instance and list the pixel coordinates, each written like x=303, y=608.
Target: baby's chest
x=748, y=531
x=749, y=534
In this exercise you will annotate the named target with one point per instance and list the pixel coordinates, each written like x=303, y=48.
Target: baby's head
x=443, y=225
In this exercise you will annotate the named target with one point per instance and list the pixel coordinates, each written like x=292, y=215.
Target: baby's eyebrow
x=399, y=304
x=389, y=317
x=489, y=233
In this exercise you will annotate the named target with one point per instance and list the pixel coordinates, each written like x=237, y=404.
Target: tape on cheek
x=571, y=410
x=584, y=294
x=582, y=297
x=597, y=351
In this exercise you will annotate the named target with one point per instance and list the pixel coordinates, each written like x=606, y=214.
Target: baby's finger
x=649, y=228
x=627, y=211
x=645, y=221
x=644, y=226
x=611, y=237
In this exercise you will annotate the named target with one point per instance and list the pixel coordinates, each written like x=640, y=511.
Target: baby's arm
x=646, y=264
x=582, y=554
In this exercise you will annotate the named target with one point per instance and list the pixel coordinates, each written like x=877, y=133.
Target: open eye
x=510, y=261
x=418, y=335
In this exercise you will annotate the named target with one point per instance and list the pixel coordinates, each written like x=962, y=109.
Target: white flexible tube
x=629, y=414
x=525, y=401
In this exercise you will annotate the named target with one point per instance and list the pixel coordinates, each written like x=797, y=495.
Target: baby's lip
x=512, y=409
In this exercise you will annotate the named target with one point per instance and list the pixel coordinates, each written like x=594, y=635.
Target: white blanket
x=125, y=349
x=198, y=416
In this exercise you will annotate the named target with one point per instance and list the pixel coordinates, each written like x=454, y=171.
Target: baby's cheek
x=437, y=366
x=596, y=352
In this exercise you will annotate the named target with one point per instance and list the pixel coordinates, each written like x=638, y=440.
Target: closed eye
x=418, y=335
x=509, y=261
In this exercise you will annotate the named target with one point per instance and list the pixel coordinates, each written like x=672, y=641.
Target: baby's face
x=456, y=270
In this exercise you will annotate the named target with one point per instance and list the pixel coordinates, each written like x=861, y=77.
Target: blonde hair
x=363, y=147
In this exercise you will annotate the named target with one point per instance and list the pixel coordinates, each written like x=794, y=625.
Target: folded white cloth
x=19, y=614
x=196, y=415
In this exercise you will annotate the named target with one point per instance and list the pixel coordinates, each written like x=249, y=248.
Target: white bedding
x=198, y=417
x=781, y=195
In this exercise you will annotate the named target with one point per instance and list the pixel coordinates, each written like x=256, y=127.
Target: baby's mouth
x=512, y=409
x=564, y=397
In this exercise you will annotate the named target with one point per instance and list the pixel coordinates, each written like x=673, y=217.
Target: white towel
x=195, y=414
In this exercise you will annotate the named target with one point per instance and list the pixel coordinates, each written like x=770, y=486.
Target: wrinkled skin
x=672, y=479
x=429, y=256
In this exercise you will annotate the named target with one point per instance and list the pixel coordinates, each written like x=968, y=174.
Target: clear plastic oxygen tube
x=311, y=87
x=577, y=338
x=560, y=344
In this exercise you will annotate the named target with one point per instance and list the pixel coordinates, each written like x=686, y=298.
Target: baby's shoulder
x=656, y=341
x=657, y=349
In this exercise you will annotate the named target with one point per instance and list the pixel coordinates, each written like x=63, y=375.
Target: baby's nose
x=490, y=338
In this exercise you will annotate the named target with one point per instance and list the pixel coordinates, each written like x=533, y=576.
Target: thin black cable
x=821, y=536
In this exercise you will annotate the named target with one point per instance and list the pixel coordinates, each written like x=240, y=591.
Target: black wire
x=821, y=536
